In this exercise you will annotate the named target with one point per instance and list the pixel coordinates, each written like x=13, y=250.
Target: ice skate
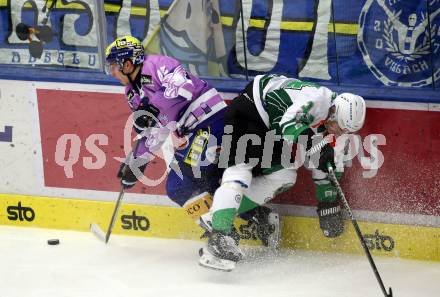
x=220, y=253
x=267, y=225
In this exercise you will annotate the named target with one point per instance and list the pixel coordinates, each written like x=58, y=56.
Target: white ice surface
x=83, y=266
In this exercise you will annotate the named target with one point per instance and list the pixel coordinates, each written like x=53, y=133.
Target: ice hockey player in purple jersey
x=165, y=98
x=293, y=110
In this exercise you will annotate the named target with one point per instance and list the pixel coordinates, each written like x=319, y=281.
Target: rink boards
x=404, y=241
x=61, y=146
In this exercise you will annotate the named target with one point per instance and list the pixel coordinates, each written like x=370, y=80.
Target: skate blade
x=95, y=229
x=274, y=240
x=210, y=261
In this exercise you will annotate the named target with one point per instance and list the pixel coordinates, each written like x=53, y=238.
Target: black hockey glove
x=145, y=118
x=326, y=158
x=141, y=123
x=126, y=175
x=330, y=218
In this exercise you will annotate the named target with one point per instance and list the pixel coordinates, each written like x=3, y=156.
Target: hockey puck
x=53, y=241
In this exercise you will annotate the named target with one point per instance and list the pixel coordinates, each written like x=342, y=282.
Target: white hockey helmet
x=350, y=111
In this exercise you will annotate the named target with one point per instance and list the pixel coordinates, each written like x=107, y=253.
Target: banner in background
x=73, y=33
x=191, y=30
x=82, y=141
x=371, y=42
x=400, y=41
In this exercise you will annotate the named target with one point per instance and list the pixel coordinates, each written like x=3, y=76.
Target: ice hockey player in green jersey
x=294, y=110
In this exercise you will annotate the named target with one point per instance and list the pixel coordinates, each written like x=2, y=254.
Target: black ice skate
x=267, y=225
x=220, y=253
x=330, y=218
x=205, y=221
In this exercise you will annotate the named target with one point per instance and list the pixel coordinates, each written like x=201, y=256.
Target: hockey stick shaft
x=358, y=232
x=118, y=203
x=115, y=212
x=317, y=147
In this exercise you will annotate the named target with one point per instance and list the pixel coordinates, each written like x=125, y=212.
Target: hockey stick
x=97, y=230
x=358, y=232
x=317, y=147
x=94, y=228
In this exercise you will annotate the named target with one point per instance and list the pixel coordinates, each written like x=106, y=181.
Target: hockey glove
x=126, y=175
x=326, y=158
x=145, y=118
x=330, y=218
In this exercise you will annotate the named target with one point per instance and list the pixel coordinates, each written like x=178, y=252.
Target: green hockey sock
x=223, y=219
x=246, y=205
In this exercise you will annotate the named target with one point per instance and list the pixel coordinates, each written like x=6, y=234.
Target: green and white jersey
x=289, y=106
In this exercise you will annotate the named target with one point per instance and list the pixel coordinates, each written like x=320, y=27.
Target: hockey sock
x=227, y=199
x=223, y=219
x=246, y=205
